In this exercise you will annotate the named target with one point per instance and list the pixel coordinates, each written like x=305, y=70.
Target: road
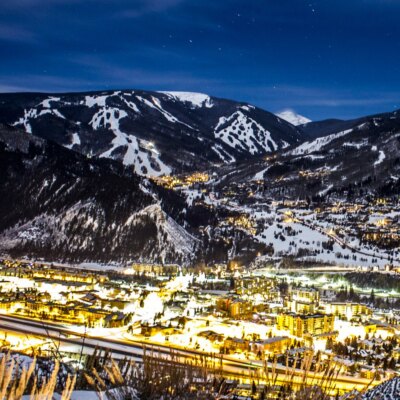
x=245, y=370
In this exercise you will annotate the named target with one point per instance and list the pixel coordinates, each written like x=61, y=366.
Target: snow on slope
x=28, y=114
x=91, y=101
x=156, y=105
x=46, y=103
x=99, y=100
x=240, y=131
x=356, y=145
x=380, y=159
x=139, y=153
x=76, y=140
x=260, y=175
x=42, y=227
x=33, y=114
x=170, y=235
x=197, y=100
x=308, y=239
x=317, y=144
x=237, y=129
x=293, y=118
x=222, y=154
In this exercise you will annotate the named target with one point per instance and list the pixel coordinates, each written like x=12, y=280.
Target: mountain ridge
x=137, y=127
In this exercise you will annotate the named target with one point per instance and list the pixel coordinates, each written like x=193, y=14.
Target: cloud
x=139, y=5
x=106, y=76
x=17, y=4
x=43, y=83
x=143, y=7
x=15, y=33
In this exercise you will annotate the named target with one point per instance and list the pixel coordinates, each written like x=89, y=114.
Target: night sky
x=332, y=58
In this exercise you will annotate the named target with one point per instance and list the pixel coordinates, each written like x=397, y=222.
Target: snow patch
x=247, y=107
x=318, y=144
x=155, y=104
x=357, y=145
x=33, y=114
x=91, y=101
x=76, y=140
x=293, y=118
x=380, y=159
x=260, y=175
x=46, y=103
x=222, y=154
x=196, y=100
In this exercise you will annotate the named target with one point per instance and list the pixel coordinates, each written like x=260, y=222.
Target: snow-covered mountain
x=81, y=160
x=336, y=133
x=361, y=157
x=79, y=208
x=155, y=133
x=293, y=118
x=58, y=204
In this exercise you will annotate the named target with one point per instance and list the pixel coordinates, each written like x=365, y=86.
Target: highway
x=244, y=370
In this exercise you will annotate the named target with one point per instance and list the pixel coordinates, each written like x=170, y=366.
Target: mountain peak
x=292, y=117
x=196, y=99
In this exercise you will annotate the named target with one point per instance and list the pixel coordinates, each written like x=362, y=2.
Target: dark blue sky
x=332, y=58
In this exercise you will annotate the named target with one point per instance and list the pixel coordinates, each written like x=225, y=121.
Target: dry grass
x=169, y=377
x=172, y=377
x=316, y=380
x=15, y=382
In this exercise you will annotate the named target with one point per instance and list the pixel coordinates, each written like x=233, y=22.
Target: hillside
x=57, y=204
x=363, y=159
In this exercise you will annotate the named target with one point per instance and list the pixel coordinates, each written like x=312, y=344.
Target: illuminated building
x=301, y=325
x=235, y=308
x=303, y=300
x=276, y=345
x=236, y=344
x=348, y=310
x=255, y=285
x=153, y=269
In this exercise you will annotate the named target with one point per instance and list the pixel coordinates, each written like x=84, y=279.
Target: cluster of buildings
x=62, y=295
x=248, y=315
x=307, y=316
x=375, y=224
x=182, y=181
